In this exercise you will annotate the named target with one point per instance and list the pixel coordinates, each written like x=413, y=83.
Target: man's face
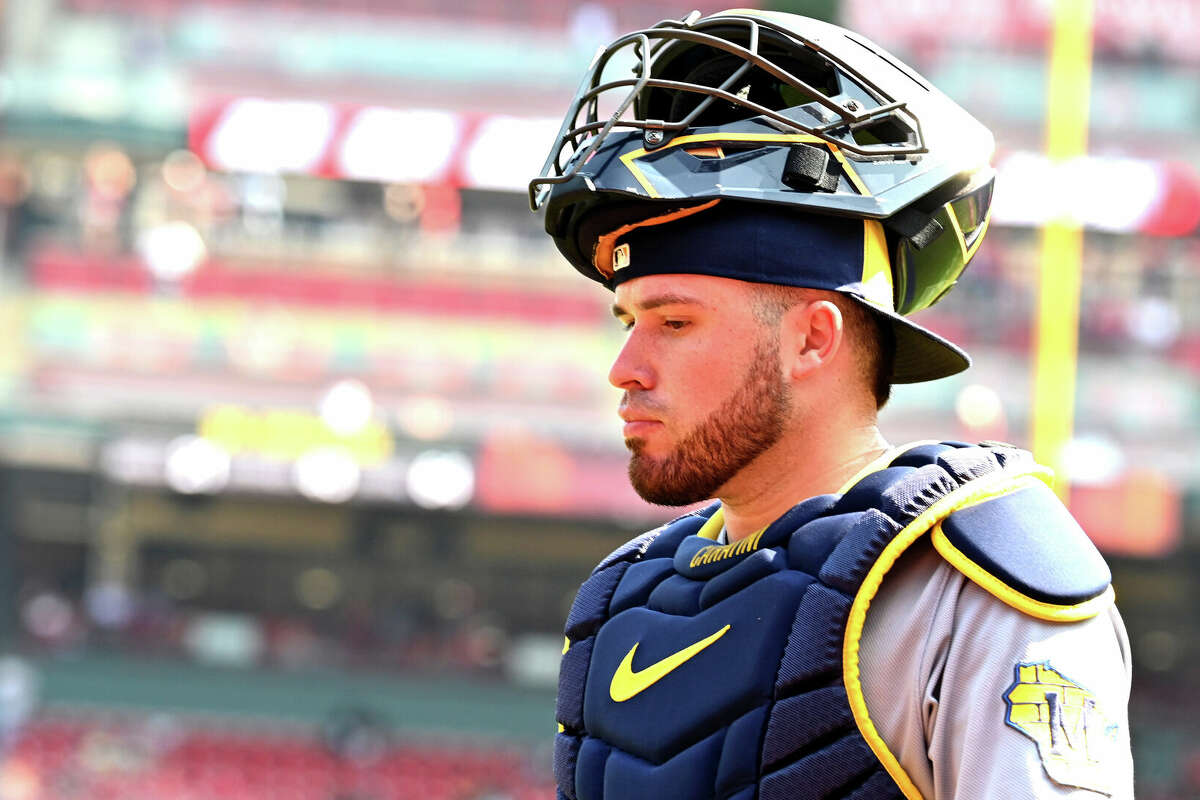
x=704, y=390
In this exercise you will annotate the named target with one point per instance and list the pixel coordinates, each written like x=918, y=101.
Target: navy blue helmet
x=766, y=107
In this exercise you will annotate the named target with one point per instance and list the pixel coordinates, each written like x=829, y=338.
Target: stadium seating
x=152, y=757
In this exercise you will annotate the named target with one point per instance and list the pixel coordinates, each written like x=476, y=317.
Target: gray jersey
x=939, y=656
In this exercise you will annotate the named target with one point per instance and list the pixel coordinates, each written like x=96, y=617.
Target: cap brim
x=921, y=355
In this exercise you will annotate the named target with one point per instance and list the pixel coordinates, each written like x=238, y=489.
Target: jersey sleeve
x=979, y=700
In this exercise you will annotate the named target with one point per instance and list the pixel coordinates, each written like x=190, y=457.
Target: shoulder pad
x=1025, y=548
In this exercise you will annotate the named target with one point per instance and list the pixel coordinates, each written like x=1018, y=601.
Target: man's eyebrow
x=656, y=301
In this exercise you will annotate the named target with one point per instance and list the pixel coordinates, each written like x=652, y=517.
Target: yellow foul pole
x=1057, y=323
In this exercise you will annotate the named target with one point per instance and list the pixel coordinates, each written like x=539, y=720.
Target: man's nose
x=631, y=368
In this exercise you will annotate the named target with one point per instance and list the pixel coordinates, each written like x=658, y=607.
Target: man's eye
x=676, y=324
x=626, y=324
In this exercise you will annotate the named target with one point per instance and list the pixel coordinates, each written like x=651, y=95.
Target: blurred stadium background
x=305, y=438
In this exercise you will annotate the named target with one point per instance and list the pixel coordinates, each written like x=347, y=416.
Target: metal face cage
x=585, y=127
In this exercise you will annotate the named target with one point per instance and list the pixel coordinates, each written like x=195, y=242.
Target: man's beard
x=747, y=424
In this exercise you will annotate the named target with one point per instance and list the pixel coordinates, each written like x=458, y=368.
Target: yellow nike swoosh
x=626, y=683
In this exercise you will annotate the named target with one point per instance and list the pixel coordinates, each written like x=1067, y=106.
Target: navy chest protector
x=695, y=670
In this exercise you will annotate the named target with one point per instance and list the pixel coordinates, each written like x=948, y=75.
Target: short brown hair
x=874, y=341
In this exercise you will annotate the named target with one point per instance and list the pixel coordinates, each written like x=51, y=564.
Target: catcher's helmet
x=749, y=106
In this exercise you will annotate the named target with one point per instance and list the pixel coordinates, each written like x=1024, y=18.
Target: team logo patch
x=621, y=257
x=1073, y=736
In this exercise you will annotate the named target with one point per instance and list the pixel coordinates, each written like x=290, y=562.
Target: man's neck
x=794, y=471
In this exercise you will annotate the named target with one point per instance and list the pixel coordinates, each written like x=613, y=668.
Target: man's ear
x=811, y=337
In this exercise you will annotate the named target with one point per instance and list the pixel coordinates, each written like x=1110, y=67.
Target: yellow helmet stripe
x=878, y=288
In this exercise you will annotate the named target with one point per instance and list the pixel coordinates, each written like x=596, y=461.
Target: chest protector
x=695, y=670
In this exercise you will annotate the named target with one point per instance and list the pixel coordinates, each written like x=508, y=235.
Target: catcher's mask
x=759, y=107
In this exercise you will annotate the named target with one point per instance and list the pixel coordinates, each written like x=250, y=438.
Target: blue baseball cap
x=763, y=243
